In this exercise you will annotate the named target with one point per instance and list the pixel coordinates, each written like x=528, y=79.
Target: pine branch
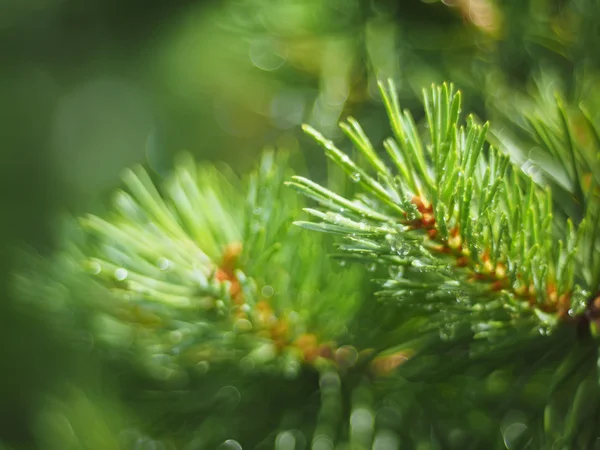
x=223, y=301
x=453, y=218
x=198, y=274
x=471, y=242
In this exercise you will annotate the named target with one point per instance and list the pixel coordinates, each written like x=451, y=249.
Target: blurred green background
x=90, y=87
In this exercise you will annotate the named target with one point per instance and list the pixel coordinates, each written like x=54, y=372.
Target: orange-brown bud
x=385, y=365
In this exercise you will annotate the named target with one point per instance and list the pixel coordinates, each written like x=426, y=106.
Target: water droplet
x=398, y=246
x=342, y=262
x=220, y=304
x=230, y=444
x=371, y=267
x=346, y=356
x=395, y=272
x=355, y=177
x=245, y=307
x=267, y=54
x=267, y=291
x=242, y=325
x=322, y=443
x=402, y=251
x=229, y=397
x=285, y=441
x=121, y=274
x=163, y=263
x=94, y=268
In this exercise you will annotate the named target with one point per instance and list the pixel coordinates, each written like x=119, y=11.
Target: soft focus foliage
x=90, y=88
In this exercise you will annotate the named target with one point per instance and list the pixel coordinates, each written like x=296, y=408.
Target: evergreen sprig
x=196, y=274
x=459, y=225
x=473, y=250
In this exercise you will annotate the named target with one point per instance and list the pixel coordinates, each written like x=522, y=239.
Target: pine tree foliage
x=198, y=277
x=241, y=332
x=214, y=300
x=456, y=221
x=472, y=245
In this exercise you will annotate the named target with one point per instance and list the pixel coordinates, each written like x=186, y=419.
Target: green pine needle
x=453, y=202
